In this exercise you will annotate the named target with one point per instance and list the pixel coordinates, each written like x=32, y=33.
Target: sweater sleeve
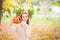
x=13, y=28
x=28, y=31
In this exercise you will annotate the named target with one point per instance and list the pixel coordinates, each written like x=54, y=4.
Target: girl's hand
x=23, y=26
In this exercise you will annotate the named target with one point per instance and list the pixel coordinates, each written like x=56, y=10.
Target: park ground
x=41, y=28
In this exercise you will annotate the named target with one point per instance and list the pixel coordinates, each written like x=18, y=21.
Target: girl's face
x=24, y=17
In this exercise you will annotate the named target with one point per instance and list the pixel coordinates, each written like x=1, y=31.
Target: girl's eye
x=19, y=18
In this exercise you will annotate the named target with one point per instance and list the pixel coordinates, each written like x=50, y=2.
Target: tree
x=7, y=4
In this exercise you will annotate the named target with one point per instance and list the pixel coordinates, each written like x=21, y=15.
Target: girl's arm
x=28, y=31
x=13, y=28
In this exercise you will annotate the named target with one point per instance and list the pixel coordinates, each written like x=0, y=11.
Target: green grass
x=6, y=19
x=39, y=19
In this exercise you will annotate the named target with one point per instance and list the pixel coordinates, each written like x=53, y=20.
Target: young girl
x=22, y=29
x=25, y=24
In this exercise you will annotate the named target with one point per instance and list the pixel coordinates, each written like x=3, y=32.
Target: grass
x=45, y=28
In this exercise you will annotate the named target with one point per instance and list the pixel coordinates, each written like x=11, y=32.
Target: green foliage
x=18, y=12
x=7, y=4
x=30, y=12
x=56, y=4
x=38, y=9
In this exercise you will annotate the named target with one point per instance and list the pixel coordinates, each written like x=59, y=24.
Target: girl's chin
x=24, y=20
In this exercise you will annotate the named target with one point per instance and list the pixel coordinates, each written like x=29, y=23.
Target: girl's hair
x=16, y=20
x=27, y=15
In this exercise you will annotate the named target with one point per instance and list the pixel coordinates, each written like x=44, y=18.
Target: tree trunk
x=0, y=10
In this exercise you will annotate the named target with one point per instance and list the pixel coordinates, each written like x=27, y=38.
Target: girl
x=25, y=24
x=22, y=30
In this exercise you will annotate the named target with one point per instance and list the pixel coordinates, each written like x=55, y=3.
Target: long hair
x=16, y=20
x=27, y=15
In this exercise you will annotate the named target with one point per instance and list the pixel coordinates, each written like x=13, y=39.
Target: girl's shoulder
x=15, y=25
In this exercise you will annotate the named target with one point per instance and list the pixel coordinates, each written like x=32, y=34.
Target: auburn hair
x=16, y=20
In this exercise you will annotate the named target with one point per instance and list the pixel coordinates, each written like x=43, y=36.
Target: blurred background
x=44, y=17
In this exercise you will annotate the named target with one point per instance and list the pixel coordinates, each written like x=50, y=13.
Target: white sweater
x=21, y=34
